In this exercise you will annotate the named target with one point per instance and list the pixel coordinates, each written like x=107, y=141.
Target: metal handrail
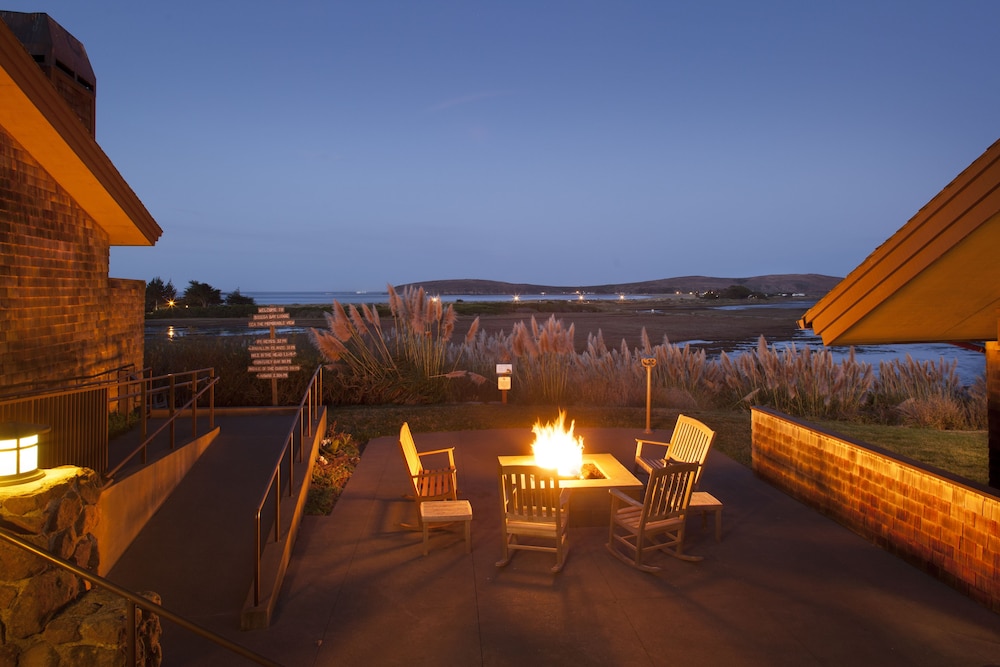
x=147, y=390
x=135, y=601
x=68, y=383
x=309, y=405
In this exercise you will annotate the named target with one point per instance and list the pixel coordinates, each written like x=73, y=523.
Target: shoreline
x=688, y=322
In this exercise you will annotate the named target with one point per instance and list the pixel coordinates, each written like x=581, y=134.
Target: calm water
x=970, y=364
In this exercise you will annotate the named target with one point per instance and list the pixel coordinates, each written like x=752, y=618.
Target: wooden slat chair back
x=427, y=484
x=533, y=506
x=689, y=443
x=662, y=512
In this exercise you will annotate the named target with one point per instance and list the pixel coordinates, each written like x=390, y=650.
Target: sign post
x=271, y=357
x=504, y=373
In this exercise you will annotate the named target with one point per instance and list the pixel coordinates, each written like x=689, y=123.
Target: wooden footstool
x=447, y=511
x=704, y=502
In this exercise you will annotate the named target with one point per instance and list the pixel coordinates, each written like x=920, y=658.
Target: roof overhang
x=937, y=279
x=34, y=114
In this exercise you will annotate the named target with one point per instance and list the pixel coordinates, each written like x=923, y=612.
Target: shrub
x=338, y=457
x=230, y=358
x=923, y=393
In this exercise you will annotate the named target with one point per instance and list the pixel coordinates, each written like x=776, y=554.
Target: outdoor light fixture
x=19, y=452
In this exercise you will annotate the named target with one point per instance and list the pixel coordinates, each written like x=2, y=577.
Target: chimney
x=61, y=57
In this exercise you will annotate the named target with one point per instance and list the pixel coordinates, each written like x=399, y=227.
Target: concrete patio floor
x=785, y=586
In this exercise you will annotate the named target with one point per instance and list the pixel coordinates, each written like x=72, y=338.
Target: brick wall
x=60, y=315
x=949, y=528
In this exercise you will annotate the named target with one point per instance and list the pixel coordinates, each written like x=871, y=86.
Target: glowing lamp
x=19, y=452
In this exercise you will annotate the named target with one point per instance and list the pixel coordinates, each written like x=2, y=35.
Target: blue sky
x=344, y=146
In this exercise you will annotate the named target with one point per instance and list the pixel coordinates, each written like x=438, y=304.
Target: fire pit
x=556, y=448
x=591, y=471
x=589, y=476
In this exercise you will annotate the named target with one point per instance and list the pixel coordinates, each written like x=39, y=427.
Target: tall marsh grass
x=409, y=362
x=414, y=360
x=799, y=381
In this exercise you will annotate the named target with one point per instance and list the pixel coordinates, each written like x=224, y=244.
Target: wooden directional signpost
x=271, y=358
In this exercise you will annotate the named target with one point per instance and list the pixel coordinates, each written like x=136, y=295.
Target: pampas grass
x=410, y=362
x=547, y=370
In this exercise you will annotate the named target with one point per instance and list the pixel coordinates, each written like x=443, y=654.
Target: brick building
x=62, y=206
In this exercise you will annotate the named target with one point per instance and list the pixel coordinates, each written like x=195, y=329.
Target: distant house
x=62, y=206
x=937, y=279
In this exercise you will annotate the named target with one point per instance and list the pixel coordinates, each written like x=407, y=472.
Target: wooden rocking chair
x=427, y=483
x=634, y=524
x=689, y=443
x=533, y=506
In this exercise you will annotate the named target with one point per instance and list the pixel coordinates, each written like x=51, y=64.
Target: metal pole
x=648, y=363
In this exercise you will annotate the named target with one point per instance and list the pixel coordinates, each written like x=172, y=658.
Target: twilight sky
x=328, y=145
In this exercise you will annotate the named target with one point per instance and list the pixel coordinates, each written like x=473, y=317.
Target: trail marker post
x=271, y=357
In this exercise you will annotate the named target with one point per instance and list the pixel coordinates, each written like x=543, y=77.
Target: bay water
x=970, y=364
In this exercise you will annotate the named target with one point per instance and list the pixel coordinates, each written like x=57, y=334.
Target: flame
x=556, y=448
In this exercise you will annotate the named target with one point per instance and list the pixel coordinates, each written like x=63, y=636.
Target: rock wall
x=48, y=615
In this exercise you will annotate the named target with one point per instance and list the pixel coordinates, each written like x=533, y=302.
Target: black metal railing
x=136, y=601
x=308, y=412
x=166, y=391
x=78, y=415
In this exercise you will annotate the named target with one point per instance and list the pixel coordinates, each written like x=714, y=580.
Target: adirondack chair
x=662, y=512
x=534, y=507
x=689, y=443
x=427, y=483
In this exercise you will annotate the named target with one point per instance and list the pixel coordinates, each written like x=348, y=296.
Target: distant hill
x=809, y=284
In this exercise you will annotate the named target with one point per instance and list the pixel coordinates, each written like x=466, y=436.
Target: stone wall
x=61, y=316
x=945, y=526
x=48, y=615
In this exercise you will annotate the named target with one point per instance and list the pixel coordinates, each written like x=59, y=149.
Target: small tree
x=202, y=294
x=234, y=298
x=159, y=295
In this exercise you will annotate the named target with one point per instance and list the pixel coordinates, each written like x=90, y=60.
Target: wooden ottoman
x=447, y=511
x=704, y=502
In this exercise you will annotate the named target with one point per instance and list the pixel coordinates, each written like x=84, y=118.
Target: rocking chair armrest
x=618, y=496
x=450, y=451
x=640, y=443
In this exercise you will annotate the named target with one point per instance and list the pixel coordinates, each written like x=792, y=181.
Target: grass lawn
x=962, y=453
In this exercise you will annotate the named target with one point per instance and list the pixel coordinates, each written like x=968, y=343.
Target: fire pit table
x=589, y=502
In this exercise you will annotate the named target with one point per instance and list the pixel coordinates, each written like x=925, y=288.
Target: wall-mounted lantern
x=19, y=452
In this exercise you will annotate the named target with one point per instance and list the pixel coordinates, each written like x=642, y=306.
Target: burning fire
x=557, y=448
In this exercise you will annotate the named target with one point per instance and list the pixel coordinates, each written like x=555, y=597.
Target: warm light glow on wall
x=19, y=452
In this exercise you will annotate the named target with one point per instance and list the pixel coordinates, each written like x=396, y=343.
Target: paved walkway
x=785, y=586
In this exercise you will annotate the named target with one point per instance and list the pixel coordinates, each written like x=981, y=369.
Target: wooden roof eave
x=36, y=116
x=971, y=200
